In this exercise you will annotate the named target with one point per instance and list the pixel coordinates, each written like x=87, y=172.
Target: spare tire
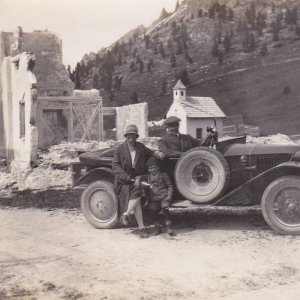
x=202, y=175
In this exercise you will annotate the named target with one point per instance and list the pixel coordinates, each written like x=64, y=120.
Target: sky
x=83, y=25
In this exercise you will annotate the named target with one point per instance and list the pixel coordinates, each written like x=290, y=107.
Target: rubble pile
x=6, y=180
x=67, y=152
x=272, y=139
x=48, y=174
x=46, y=177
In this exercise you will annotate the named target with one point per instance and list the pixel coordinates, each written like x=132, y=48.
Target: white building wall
x=193, y=124
x=177, y=111
x=20, y=89
x=132, y=114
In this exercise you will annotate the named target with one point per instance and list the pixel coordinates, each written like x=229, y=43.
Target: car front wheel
x=281, y=205
x=99, y=204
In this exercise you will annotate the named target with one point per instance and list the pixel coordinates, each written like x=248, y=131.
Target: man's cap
x=172, y=120
x=131, y=129
x=152, y=162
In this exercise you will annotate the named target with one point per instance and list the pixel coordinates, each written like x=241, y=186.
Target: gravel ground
x=49, y=251
x=56, y=254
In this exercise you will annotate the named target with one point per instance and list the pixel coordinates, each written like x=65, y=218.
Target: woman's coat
x=122, y=167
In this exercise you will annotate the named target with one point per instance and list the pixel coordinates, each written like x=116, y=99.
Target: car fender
x=96, y=174
x=250, y=193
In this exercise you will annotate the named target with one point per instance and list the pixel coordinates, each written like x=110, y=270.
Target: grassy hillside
x=255, y=75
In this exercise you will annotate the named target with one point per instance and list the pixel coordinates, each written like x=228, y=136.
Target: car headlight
x=244, y=159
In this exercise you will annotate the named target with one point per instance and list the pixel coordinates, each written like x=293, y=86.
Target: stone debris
x=6, y=180
x=67, y=152
x=272, y=139
x=45, y=175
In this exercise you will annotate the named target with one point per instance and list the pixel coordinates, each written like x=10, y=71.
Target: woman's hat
x=131, y=129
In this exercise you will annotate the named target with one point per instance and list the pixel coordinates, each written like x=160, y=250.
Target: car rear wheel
x=202, y=175
x=281, y=205
x=99, y=204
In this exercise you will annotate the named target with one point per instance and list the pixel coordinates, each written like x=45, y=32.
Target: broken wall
x=19, y=112
x=132, y=114
x=52, y=76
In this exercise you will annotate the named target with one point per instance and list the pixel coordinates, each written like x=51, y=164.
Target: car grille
x=266, y=162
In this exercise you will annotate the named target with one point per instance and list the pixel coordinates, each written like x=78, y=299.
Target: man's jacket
x=174, y=145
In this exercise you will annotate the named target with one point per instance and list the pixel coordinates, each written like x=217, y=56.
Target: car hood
x=256, y=149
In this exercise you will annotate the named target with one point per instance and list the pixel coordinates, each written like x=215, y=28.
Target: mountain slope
x=244, y=54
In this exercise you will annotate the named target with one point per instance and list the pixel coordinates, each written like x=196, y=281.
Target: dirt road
x=56, y=254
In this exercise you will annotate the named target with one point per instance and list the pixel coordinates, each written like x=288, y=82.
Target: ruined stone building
x=52, y=78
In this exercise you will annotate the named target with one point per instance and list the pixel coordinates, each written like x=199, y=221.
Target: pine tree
x=141, y=66
x=215, y=48
x=211, y=12
x=163, y=14
x=294, y=16
x=227, y=43
x=132, y=66
x=134, y=98
x=108, y=82
x=95, y=81
x=147, y=41
x=252, y=14
x=188, y=57
x=118, y=83
x=230, y=15
x=150, y=65
x=72, y=76
x=220, y=57
x=137, y=60
x=275, y=31
x=264, y=49
x=173, y=60
x=163, y=90
x=120, y=60
x=179, y=47
x=184, y=77
x=177, y=5
x=169, y=44
x=162, y=49
x=252, y=44
x=77, y=80
x=69, y=69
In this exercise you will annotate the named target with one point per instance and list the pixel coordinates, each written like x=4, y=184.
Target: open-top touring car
x=227, y=173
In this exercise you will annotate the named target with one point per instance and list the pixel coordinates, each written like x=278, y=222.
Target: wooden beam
x=90, y=123
x=71, y=123
x=109, y=111
x=100, y=122
x=71, y=99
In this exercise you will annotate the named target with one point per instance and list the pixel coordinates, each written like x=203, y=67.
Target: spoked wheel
x=281, y=205
x=202, y=175
x=99, y=204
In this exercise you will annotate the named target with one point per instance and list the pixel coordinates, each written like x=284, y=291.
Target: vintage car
x=227, y=173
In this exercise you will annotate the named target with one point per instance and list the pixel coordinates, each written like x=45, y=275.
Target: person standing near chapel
x=129, y=163
x=173, y=143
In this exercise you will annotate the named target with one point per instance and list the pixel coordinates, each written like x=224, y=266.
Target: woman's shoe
x=158, y=230
x=143, y=234
x=125, y=220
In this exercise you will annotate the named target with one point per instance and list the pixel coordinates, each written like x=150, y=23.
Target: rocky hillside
x=245, y=54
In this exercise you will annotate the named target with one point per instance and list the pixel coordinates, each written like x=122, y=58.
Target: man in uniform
x=173, y=143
